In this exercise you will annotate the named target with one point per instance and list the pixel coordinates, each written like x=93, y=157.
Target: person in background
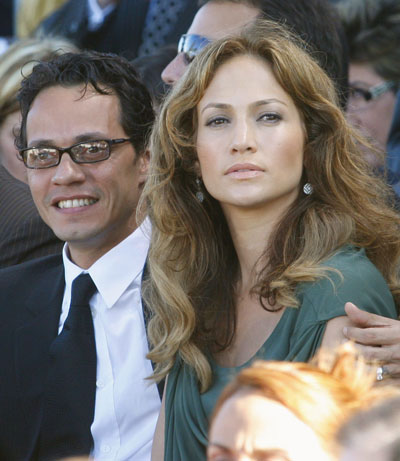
x=315, y=21
x=373, y=32
x=373, y=433
x=293, y=411
x=30, y=13
x=266, y=219
x=23, y=233
x=149, y=68
x=16, y=63
x=393, y=145
x=131, y=28
x=73, y=338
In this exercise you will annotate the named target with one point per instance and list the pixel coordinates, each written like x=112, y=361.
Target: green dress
x=296, y=337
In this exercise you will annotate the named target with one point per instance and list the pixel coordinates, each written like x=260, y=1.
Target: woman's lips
x=244, y=171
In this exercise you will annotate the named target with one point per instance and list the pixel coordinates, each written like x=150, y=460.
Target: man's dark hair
x=107, y=74
x=318, y=24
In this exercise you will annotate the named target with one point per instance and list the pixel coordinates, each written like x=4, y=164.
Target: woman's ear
x=143, y=165
x=197, y=169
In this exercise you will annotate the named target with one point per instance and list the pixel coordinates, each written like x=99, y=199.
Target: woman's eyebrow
x=263, y=102
x=215, y=105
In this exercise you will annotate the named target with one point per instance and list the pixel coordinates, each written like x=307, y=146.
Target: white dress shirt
x=127, y=405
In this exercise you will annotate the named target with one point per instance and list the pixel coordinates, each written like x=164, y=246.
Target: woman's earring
x=308, y=188
x=199, y=192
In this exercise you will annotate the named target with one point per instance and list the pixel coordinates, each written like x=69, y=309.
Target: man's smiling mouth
x=76, y=203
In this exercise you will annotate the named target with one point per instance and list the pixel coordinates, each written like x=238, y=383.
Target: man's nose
x=174, y=70
x=67, y=171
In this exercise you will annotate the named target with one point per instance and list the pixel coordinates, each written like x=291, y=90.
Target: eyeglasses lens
x=41, y=157
x=88, y=152
x=84, y=152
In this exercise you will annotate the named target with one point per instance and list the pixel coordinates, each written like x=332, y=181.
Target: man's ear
x=143, y=165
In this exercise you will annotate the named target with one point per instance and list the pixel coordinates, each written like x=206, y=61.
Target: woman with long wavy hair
x=266, y=220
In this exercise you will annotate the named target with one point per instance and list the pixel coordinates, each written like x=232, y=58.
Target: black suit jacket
x=31, y=296
x=120, y=33
x=30, y=304
x=23, y=233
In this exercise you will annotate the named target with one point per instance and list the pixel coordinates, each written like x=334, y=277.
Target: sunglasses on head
x=190, y=45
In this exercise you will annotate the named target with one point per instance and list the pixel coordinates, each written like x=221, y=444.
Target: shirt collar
x=118, y=268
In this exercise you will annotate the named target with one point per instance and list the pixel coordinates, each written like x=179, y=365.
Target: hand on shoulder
x=377, y=338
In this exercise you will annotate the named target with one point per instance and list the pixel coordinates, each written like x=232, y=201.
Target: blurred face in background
x=250, y=427
x=212, y=21
x=8, y=151
x=371, y=106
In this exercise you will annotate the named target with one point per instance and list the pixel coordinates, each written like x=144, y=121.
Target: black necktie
x=71, y=386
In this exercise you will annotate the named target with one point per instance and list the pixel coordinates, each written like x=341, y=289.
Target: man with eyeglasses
x=373, y=31
x=371, y=107
x=73, y=340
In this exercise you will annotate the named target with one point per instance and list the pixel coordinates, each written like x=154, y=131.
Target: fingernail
x=345, y=331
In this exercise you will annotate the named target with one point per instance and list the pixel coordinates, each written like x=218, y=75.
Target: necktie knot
x=83, y=288
x=79, y=319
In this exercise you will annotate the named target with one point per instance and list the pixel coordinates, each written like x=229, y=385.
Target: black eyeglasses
x=190, y=45
x=83, y=152
x=360, y=97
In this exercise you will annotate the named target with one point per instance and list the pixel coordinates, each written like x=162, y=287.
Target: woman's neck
x=251, y=231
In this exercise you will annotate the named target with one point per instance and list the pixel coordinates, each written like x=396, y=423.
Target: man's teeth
x=75, y=203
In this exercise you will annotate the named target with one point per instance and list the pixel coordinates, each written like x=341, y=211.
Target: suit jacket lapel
x=33, y=342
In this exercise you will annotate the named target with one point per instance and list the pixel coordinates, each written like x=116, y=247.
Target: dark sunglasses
x=190, y=45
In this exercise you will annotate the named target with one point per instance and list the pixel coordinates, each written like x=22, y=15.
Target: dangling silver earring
x=308, y=188
x=199, y=192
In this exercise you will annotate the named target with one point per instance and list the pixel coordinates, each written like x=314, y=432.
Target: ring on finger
x=379, y=374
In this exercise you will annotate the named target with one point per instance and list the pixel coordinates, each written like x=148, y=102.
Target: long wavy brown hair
x=193, y=265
